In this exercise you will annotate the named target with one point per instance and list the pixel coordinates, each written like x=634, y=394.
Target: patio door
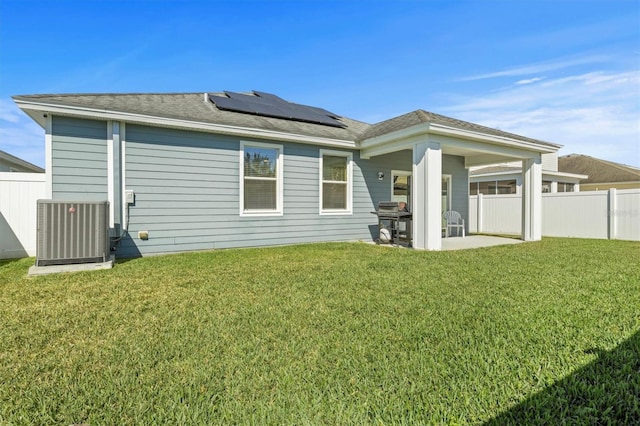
x=401, y=187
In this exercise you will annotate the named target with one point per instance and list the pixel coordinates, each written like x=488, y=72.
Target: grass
x=536, y=333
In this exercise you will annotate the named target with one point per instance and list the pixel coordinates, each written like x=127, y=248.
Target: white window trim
x=349, y=157
x=279, y=180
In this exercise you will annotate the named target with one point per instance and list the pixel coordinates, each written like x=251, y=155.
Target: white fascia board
x=514, y=173
x=102, y=114
x=462, y=137
x=564, y=175
x=439, y=129
x=496, y=174
x=396, y=137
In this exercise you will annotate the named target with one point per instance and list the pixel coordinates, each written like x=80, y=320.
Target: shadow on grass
x=607, y=391
x=4, y=262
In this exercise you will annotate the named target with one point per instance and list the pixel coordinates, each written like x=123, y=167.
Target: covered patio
x=432, y=138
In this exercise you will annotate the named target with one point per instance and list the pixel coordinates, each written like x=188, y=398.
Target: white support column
x=532, y=199
x=427, y=188
x=554, y=187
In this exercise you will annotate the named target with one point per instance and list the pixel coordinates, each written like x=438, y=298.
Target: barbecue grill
x=390, y=217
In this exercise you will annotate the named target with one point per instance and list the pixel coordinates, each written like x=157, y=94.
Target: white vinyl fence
x=19, y=193
x=613, y=214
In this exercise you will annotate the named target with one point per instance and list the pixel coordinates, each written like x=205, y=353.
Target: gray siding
x=187, y=188
x=187, y=195
x=454, y=166
x=79, y=159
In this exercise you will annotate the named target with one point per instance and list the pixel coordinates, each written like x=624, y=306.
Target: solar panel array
x=268, y=105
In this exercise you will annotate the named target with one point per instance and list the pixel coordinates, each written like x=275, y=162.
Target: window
x=260, y=179
x=335, y=182
x=565, y=187
x=506, y=186
x=473, y=188
x=546, y=186
x=493, y=187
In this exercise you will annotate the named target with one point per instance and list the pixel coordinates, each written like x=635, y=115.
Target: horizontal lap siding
x=187, y=195
x=79, y=159
x=454, y=166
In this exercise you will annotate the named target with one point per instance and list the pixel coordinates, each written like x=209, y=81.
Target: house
x=192, y=171
x=11, y=163
x=507, y=178
x=603, y=174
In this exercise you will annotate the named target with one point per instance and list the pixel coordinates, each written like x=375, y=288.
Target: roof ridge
x=64, y=95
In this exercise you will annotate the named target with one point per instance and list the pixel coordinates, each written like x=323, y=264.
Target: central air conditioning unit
x=72, y=232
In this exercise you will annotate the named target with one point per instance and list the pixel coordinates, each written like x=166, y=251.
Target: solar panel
x=268, y=105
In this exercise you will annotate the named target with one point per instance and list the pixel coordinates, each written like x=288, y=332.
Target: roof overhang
x=477, y=148
x=545, y=174
x=38, y=110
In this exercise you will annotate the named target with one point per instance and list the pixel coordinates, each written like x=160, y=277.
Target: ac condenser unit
x=72, y=232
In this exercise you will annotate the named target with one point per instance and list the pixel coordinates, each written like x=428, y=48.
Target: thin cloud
x=593, y=113
x=19, y=135
x=537, y=68
x=529, y=80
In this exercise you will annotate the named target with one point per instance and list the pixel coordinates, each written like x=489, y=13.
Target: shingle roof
x=599, y=171
x=194, y=108
x=422, y=117
x=19, y=163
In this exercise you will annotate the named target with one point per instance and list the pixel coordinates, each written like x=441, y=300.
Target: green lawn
x=543, y=332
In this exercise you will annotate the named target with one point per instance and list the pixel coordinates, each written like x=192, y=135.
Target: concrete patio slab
x=476, y=241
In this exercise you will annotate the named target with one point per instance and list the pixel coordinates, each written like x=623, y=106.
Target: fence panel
x=611, y=214
x=575, y=214
x=19, y=193
x=627, y=214
x=472, y=226
x=502, y=214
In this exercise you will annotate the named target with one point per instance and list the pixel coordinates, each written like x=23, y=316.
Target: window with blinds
x=261, y=171
x=335, y=182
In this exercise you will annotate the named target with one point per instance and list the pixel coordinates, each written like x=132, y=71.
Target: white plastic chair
x=454, y=220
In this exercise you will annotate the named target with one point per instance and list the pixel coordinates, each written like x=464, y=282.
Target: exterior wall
x=19, y=193
x=611, y=214
x=454, y=166
x=79, y=159
x=186, y=188
x=550, y=161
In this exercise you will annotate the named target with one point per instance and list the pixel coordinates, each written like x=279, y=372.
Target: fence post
x=611, y=214
x=479, y=214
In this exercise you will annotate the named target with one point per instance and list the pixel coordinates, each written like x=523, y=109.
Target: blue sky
x=564, y=71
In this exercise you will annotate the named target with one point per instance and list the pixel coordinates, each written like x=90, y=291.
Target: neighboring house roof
x=196, y=107
x=18, y=164
x=599, y=171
